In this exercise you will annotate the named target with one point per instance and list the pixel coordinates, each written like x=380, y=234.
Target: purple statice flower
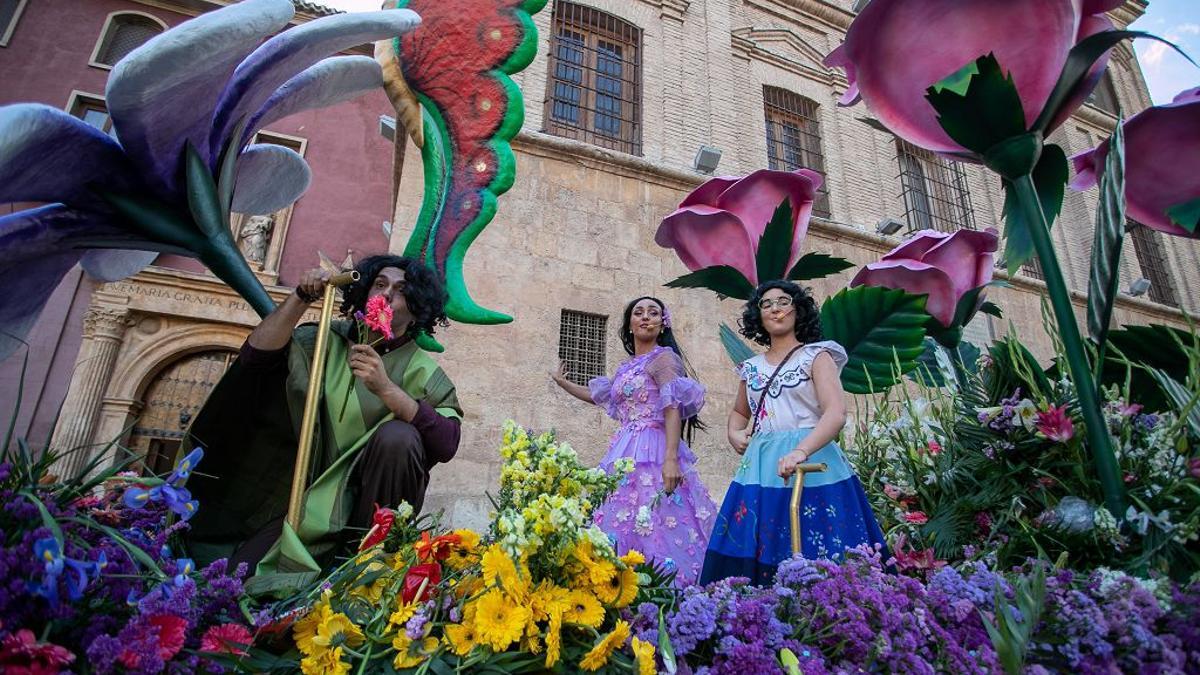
x=643, y=622
x=797, y=572
x=415, y=628
x=694, y=621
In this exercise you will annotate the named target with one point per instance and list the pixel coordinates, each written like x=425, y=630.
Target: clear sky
x=1167, y=72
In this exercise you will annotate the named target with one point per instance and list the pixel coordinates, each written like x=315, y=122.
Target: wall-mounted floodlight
x=387, y=127
x=888, y=226
x=707, y=159
x=1139, y=287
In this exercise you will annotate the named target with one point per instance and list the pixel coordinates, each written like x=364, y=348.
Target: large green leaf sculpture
x=880, y=329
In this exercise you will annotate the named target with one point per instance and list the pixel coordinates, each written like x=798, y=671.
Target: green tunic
x=250, y=427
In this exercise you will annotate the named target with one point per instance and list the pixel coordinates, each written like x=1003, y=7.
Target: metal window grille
x=8, y=11
x=94, y=112
x=125, y=34
x=1033, y=268
x=581, y=344
x=1104, y=96
x=794, y=138
x=1153, y=261
x=594, y=93
x=934, y=190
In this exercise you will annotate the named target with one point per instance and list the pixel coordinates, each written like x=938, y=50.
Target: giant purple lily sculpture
x=184, y=107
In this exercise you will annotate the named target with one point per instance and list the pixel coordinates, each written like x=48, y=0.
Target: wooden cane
x=797, y=489
x=315, y=379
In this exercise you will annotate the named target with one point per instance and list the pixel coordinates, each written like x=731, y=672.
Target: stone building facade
x=574, y=239
x=132, y=361
x=621, y=96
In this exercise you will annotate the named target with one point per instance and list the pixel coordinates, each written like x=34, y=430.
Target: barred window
x=1152, y=259
x=123, y=34
x=93, y=111
x=794, y=138
x=934, y=190
x=1033, y=268
x=1104, y=96
x=594, y=93
x=581, y=344
x=10, y=11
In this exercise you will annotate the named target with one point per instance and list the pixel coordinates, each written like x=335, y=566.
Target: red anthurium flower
x=381, y=525
x=420, y=582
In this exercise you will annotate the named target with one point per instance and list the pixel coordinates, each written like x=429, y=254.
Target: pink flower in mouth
x=378, y=316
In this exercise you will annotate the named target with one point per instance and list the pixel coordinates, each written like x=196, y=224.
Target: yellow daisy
x=601, y=573
x=306, y=628
x=407, y=656
x=545, y=598
x=328, y=662
x=403, y=613
x=595, y=659
x=554, y=639
x=584, y=609
x=498, y=621
x=643, y=653
x=337, y=630
x=462, y=637
x=464, y=554
x=497, y=566
x=626, y=584
x=633, y=558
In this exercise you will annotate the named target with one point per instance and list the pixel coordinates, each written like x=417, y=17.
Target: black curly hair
x=423, y=291
x=808, y=317
x=666, y=338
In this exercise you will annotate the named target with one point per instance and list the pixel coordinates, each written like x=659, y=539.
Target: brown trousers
x=392, y=468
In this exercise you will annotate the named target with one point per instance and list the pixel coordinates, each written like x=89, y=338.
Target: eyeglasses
x=782, y=303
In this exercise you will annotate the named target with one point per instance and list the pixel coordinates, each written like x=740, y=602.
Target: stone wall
x=576, y=230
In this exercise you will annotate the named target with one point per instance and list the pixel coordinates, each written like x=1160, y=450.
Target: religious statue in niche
x=254, y=236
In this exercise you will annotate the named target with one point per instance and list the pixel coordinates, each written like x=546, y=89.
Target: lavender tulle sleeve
x=675, y=389
x=600, y=389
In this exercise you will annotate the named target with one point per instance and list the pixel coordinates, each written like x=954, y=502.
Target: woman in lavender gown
x=662, y=509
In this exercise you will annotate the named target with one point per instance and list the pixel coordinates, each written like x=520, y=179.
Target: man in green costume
x=401, y=417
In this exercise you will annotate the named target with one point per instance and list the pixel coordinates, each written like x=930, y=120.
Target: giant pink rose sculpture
x=721, y=222
x=943, y=266
x=1162, y=163
x=895, y=49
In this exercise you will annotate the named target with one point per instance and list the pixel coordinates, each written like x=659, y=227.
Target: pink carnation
x=170, y=631
x=227, y=638
x=378, y=316
x=20, y=652
x=916, y=517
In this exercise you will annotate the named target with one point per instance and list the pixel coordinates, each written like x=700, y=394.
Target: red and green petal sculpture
x=468, y=114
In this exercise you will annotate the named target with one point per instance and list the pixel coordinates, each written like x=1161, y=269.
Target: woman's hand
x=740, y=440
x=367, y=365
x=312, y=285
x=789, y=462
x=560, y=376
x=671, y=475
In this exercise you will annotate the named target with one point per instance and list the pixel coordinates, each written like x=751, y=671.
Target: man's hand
x=312, y=285
x=367, y=365
x=671, y=475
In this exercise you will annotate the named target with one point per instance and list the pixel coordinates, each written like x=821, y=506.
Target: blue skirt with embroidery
x=752, y=534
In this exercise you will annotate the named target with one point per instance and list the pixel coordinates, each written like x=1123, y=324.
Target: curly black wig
x=423, y=291
x=808, y=317
x=666, y=338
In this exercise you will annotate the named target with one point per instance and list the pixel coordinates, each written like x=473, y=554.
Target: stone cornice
x=541, y=144
x=1129, y=12
x=670, y=9
x=754, y=43
x=807, y=12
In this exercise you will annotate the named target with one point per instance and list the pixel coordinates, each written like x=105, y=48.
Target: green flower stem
x=960, y=368
x=1085, y=386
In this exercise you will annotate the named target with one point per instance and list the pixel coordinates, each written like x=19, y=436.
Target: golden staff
x=796, y=490
x=309, y=422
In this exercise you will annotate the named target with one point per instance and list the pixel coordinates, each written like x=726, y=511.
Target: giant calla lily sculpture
x=1000, y=78
x=184, y=107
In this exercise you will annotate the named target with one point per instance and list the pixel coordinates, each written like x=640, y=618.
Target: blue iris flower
x=177, y=498
x=81, y=573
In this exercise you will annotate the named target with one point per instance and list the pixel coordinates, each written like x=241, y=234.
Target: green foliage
x=775, y=245
x=726, y=281
x=735, y=347
x=1050, y=177
x=985, y=113
x=1011, y=635
x=1186, y=215
x=1105, y=274
x=882, y=330
x=817, y=266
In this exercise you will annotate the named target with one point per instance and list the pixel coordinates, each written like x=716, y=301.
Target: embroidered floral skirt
x=752, y=534
x=671, y=530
